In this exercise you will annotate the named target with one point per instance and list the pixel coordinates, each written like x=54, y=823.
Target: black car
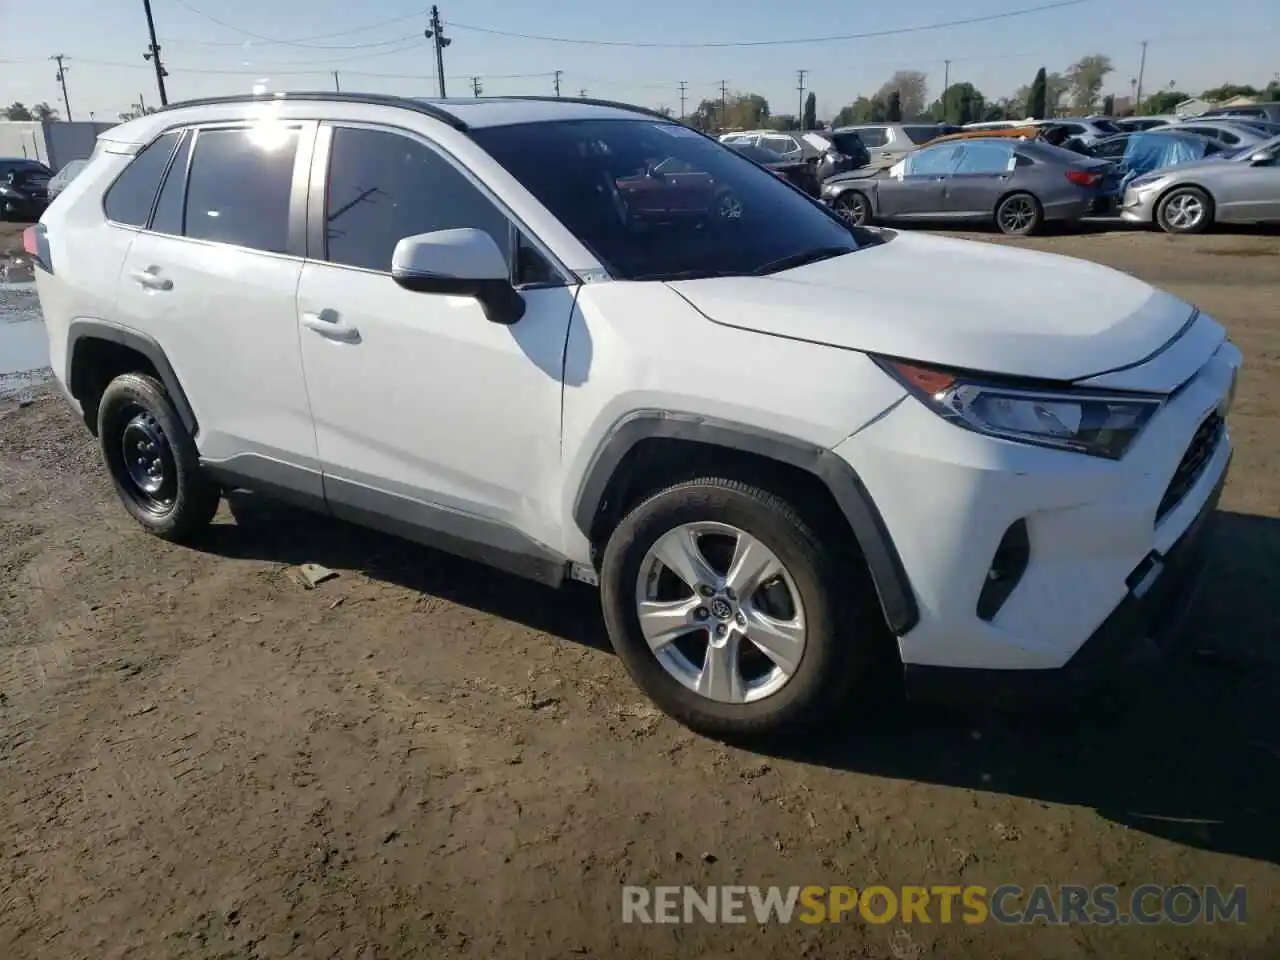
x=801, y=173
x=24, y=188
x=847, y=152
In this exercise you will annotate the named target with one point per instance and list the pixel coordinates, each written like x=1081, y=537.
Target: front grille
x=1193, y=462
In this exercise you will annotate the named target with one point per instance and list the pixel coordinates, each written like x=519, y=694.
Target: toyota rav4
x=787, y=451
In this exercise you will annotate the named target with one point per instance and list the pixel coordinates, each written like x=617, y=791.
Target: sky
x=213, y=47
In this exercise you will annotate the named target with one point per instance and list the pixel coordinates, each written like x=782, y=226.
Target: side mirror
x=464, y=263
x=1263, y=156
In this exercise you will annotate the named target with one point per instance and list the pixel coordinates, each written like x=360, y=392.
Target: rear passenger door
x=212, y=276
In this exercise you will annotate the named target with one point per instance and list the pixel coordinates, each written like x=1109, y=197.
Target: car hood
x=957, y=303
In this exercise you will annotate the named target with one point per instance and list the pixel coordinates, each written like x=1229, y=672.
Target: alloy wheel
x=720, y=612
x=1017, y=214
x=1184, y=211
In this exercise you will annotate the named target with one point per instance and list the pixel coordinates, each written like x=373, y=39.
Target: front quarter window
x=656, y=200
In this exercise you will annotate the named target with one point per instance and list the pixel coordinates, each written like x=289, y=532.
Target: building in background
x=55, y=143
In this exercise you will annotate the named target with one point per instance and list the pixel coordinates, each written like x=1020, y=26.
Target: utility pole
x=800, y=116
x=684, y=86
x=142, y=104
x=724, y=106
x=62, y=79
x=441, y=41
x=557, y=81
x=582, y=94
x=1142, y=65
x=337, y=86
x=153, y=54
x=946, y=77
x=476, y=87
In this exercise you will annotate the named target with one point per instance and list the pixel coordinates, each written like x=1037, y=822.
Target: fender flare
x=81, y=330
x=847, y=489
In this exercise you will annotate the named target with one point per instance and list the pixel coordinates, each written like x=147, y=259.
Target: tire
x=1019, y=215
x=1185, y=210
x=135, y=409
x=853, y=206
x=830, y=660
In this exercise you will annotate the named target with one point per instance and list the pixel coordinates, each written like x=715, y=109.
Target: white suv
x=786, y=450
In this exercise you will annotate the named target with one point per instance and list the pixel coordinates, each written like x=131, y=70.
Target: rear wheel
x=719, y=601
x=1019, y=215
x=152, y=459
x=1185, y=210
x=853, y=207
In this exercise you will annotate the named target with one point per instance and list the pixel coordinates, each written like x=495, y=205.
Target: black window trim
x=184, y=133
x=318, y=185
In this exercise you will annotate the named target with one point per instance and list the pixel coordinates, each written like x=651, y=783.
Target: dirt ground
x=423, y=758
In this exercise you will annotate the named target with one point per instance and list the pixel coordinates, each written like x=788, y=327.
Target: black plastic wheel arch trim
x=887, y=572
x=80, y=330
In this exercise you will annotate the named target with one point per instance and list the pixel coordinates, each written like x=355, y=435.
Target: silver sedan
x=1238, y=187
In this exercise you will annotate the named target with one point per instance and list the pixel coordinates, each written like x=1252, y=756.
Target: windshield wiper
x=800, y=259
x=686, y=274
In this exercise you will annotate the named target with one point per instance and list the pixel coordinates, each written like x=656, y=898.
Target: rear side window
x=168, y=216
x=129, y=199
x=920, y=134
x=850, y=144
x=985, y=157
x=238, y=188
x=873, y=136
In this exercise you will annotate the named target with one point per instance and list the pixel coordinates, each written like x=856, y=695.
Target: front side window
x=1112, y=148
x=129, y=199
x=723, y=215
x=985, y=157
x=385, y=186
x=873, y=136
x=934, y=161
x=850, y=144
x=239, y=186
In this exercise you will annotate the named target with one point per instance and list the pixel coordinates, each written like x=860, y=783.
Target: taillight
x=30, y=242
x=1084, y=178
x=35, y=242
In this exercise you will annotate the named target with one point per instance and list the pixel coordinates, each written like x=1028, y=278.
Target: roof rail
x=591, y=102
x=385, y=100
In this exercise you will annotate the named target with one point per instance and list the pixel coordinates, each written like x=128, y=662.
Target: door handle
x=328, y=324
x=151, y=279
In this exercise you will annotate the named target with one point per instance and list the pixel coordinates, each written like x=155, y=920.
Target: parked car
x=24, y=188
x=890, y=142
x=1087, y=130
x=1018, y=184
x=829, y=153
x=1147, y=123
x=59, y=181
x=1229, y=132
x=988, y=131
x=1142, y=151
x=847, y=152
x=786, y=450
x=798, y=172
x=1240, y=187
x=1269, y=110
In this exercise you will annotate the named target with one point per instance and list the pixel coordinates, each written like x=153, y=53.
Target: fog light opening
x=1006, y=570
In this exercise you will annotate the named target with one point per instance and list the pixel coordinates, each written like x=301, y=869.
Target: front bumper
x=948, y=496
x=1139, y=206
x=1139, y=633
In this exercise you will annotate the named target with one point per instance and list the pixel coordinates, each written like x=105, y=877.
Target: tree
x=911, y=87
x=1086, y=77
x=1037, y=96
x=869, y=110
x=745, y=111
x=844, y=117
x=17, y=111
x=1229, y=90
x=810, y=121
x=1109, y=105
x=705, y=117
x=43, y=112
x=136, y=111
x=1162, y=101
x=947, y=108
x=1273, y=90
x=893, y=108
x=783, y=121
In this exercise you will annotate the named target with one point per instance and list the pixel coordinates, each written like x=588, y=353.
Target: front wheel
x=719, y=601
x=152, y=459
x=853, y=207
x=1185, y=210
x=1019, y=215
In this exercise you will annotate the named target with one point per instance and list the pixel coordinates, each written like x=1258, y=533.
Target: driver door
x=427, y=415
x=918, y=190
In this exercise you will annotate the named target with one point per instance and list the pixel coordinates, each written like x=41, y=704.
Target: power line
x=1026, y=11
x=62, y=80
x=295, y=42
x=241, y=44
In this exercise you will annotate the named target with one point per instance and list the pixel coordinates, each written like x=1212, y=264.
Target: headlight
x=1083, y=421
x=1146, y=180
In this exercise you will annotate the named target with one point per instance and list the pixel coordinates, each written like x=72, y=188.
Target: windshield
x=655, y=200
